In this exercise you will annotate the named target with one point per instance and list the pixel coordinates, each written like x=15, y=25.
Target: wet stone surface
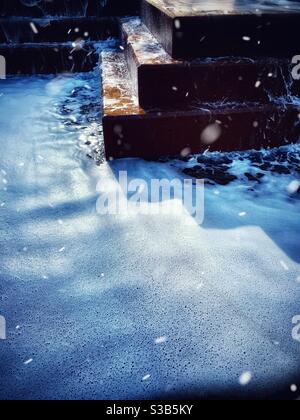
x=246, y=28
x=80, y=112
x=216, y=174
x=41, y=8
x=196, y=7
x=92, y=312
x=220, y=169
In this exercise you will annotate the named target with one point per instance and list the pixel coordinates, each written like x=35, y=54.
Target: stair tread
x=45, y=44
x=120, y=99
x=68, y=8
x=50, y=18
x=49, y=58
x=148, y=50
x=72, y=45
x=190, y=8
x=130, y=131
x=189, y=29
x=182, y=83
x=24, y=30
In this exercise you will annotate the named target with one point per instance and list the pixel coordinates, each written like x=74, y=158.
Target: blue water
x=134, y=307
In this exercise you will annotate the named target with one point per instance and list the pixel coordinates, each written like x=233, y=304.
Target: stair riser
x=69, y=8
x=270, y=35
x=183, y=86
x=154, y=136
x=208, y=84
x=60, y=30
x=48, y=60
x=165, y=83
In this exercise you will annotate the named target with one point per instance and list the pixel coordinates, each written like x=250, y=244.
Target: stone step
x=50, y=58
x=28, y=30
x=163, y=82
x=41, y=8
x=192, y=29
x=130, y=131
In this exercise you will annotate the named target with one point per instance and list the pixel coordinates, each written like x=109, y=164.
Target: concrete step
x=50, y=58
x=130, y=131
x=192, y=29
x=163, y=82
x=41, y=8
x=28, y=30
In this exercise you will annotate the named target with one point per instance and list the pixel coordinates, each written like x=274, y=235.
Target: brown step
x=163, y=82
x=191, y=29
x=130, y=131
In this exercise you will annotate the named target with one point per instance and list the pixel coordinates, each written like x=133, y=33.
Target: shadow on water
x=266, y=204
x=91, y=336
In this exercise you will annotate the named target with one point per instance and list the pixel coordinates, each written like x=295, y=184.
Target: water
x=139, y=307
x=86, y=297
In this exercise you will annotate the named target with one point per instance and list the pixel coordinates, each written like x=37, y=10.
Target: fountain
x=2, y=328
x=186, y=65
x=192, y=66
x=2, y=67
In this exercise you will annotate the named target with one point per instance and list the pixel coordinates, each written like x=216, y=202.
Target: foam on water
x=96, y=304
